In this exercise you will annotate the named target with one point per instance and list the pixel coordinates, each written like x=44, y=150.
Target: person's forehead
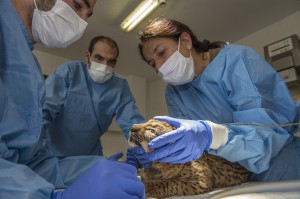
x=153, y=43
x=88, y=3
x=105, y=48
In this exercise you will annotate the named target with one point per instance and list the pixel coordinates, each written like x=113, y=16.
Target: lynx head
x=142, y=134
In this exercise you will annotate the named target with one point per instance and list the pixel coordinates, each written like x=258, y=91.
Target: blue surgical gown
x=239, y=86
x=26, y=171
x=77, y=110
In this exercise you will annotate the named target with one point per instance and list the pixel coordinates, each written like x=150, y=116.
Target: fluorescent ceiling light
x=139, y=13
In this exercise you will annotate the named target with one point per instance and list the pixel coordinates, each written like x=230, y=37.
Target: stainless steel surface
x=252, y=190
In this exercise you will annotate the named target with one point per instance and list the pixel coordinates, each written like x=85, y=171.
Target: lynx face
x=142, y=134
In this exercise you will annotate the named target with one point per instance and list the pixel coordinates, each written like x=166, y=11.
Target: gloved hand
x=131, y=159
x=115, y=157
x=105, y=179
x=185, y=144
x=138, y=157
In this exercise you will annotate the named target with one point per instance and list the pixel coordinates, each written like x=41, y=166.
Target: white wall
x=48, y=61
x=156, y=104
x=114, y=141
x=139, y=91
x=284, y=28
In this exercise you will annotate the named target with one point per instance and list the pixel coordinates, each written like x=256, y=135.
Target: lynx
x=192, y=178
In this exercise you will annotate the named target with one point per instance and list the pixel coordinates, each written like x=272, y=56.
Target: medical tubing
x=262, y=125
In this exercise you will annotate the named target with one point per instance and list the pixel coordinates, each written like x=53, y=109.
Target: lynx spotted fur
x=196, y=177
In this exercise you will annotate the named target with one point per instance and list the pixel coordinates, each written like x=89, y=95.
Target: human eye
x=77, y=5
x=98, y=57
x=112, y=61
x=161, y=53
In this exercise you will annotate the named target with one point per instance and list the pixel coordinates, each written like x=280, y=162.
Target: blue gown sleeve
x=127, y=113
x=26, y=171
x=56, y=92
x=258, y=95
x=19, y=181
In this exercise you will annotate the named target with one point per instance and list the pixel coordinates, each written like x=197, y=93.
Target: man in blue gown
x=26, y=170
x=83, y=97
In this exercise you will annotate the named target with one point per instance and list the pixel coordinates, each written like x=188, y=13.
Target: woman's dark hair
x=169, y=28
x=104, y=39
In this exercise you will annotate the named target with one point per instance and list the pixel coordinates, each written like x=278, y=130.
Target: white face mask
x=58, y=27
x=177, y=69
x=100, y=73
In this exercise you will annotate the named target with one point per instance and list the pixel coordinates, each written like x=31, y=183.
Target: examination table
x=252, y=190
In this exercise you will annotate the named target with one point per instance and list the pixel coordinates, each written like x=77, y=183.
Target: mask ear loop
x=35, y=5
x=179, y=47
x=90, y=57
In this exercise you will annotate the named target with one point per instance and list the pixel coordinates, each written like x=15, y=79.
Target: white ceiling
x=227, y=20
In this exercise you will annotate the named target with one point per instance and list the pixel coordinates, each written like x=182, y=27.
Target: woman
x=221, y=84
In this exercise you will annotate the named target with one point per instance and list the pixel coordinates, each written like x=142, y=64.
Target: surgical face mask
x=177, y=69
x=58, y=27
x=100, y=73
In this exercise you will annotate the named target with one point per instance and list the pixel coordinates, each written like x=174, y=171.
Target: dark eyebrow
x=98, y=55
x=87, y=3
x=112, y=59
x=155, y=49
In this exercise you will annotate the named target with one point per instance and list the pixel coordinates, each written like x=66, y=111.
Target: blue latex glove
x=138, y=157
x=105, y=179
x=131, y=159
x=115, y=157
x=185, y=144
